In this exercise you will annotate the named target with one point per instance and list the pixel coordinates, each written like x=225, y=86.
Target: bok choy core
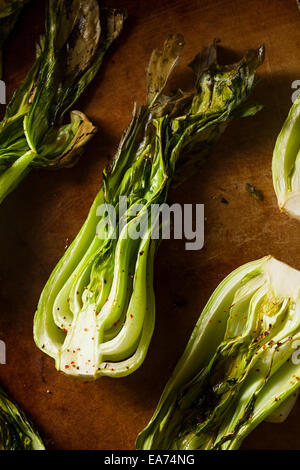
x=96, y=313
x=238, y=366
x=286, y=163
x=16, y=431
x=33, y=132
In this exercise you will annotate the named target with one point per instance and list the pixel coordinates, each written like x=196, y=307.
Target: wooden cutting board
x=42, y=216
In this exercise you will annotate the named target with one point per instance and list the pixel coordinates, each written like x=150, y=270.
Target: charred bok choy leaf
x=33, y=132
x=9, y=12
x=96, y=314
x=238, y=366
x=286, y=163
x=16, y=431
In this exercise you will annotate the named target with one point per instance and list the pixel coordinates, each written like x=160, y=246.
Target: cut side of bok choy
x=96, y=313
x=16, y=431
x=240, y=366
x=286, y=163
x=34, y=132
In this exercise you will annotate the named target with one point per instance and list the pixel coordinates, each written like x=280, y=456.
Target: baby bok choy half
x=16, y=431
x=286, y=163
x=33, y=133
x=96, y=313
x=239, y=365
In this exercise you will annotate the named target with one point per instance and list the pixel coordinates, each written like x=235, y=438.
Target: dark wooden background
x=44, y=214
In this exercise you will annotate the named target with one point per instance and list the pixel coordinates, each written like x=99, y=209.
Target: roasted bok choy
x=9, y=12
x=16, y=431
x=34, y=132
x=96, y=314
x=240, y=365
x=286, y=163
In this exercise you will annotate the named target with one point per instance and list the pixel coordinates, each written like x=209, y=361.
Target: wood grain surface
x=43, y=215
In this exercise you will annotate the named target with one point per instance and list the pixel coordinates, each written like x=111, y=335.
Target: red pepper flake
x=132, y=276
x=131, y=316
x=72, y=362
x=67, y=367
x=65, y=331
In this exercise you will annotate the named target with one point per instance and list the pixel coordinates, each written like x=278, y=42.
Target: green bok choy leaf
x=96, y=313
x=33, y=132
x=238, y=367
x=16, y=431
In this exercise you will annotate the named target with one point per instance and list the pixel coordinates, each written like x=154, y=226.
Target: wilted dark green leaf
x=16, y=431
